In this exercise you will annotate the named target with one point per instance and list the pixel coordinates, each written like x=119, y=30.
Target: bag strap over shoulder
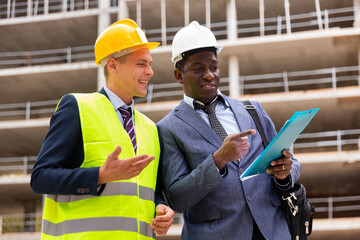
x=252, y=111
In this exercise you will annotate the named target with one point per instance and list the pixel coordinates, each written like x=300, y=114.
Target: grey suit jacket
x=215, y=206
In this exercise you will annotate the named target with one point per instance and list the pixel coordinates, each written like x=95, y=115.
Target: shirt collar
x=190, y=100
x=116, y=101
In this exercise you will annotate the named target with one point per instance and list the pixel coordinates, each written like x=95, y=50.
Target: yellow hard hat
x=119, y=36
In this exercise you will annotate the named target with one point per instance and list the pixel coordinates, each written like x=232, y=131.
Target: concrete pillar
x=103, y=23
x=64, y=5
x=359, y=64
x=262, y=17
x=231, y=19
x=234, y=87
x=104, y=16
x=46, y=7
x=208, y=14
x=29, y=8
x=186, y=13
x=357, y=13
x=86, y=4
x=8, y=8
x=29, y=220
x=123, y=9
x=138, y=13
x=318, y=14
x=357, y=25
x=163, y=22
x=287, y=16
x=101, y=78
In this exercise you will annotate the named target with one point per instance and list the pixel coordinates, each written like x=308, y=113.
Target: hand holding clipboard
x=283, y=140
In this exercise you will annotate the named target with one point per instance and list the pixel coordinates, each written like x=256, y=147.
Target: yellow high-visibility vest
x=125, y=208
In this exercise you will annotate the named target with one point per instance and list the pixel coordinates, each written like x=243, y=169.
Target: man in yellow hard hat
x=98, y=163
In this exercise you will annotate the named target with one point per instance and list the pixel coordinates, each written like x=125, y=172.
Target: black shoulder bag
x=298, y=210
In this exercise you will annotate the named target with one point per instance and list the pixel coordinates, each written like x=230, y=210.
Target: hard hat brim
x=152, y=45
x=149, y=45
x=178, y=57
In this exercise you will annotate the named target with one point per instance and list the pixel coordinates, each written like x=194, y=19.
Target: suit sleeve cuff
x=223, y=172
x=100, y=187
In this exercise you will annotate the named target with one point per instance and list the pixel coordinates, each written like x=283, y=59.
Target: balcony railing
x=343, y=140
x=27, y=110
x=252, y=84
x=340, y=17
x=21, y=8
x=332, y=206
x=320, y=19
x=12, y=165
x=269, y=83
x=301, y=80
x=298, y=22
x=42, y=57
x=15, y=223
x=339, y=141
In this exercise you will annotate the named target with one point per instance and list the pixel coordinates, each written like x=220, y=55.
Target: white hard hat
x=192, y=37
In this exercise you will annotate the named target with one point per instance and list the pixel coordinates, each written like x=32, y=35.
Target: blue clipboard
x=283, y=140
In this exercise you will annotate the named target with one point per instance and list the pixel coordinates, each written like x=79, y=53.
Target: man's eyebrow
x=143, y=60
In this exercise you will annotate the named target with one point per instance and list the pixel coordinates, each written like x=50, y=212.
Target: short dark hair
x=180, y=64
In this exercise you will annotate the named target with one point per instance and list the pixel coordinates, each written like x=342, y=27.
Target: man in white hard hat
x=98, y=163
x=206, y=144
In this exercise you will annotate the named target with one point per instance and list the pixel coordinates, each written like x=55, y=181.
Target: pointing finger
x=245, y=133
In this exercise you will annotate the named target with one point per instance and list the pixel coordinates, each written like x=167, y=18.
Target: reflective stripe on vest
x=111, y=189
x=96, y=224
x=124, y=209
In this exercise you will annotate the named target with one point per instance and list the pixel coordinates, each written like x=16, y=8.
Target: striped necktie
x=128, y=124
x=214, y=121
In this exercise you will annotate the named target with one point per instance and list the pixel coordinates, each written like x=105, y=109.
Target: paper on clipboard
x=283, y=140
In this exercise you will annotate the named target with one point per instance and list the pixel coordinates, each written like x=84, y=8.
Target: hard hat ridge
x=125, y=21
x=193, y=36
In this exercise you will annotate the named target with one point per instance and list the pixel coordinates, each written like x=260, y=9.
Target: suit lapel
x=190, y=117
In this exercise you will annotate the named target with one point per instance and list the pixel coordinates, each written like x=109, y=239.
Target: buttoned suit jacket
x=215, y=206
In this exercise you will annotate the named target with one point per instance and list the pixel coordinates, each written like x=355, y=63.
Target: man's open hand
x=121, y=169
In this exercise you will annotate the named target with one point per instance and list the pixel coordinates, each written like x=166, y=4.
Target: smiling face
x=130, y=76
x=200, y=76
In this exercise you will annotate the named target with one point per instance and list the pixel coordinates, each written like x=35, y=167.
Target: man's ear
x=178, y=76
x=111, y=65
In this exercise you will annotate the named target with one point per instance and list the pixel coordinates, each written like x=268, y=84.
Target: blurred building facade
x=289, y=55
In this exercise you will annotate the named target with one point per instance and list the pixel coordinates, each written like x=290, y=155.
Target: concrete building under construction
x=288, y=55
